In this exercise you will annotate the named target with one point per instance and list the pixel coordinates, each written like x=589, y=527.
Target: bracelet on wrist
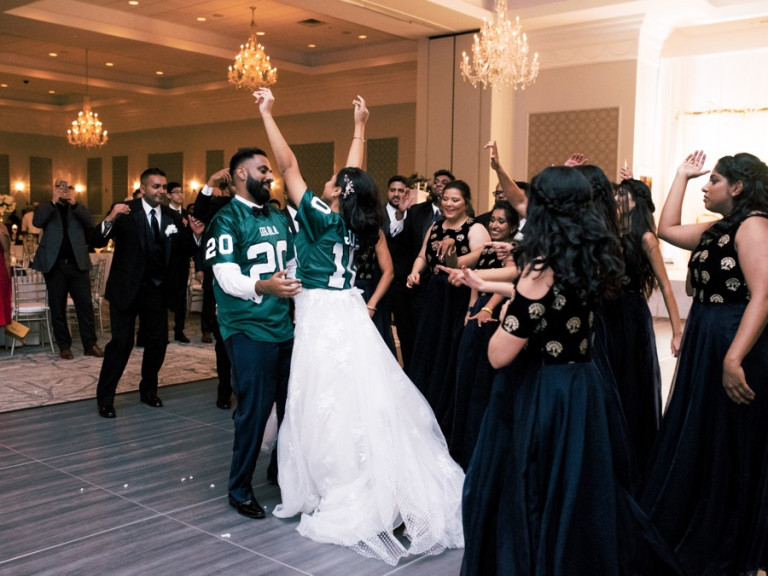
x=371, y=308
x=358, y=138
x=486, y=309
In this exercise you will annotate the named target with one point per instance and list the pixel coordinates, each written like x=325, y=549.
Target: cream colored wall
x=589, y=86
x=456, y=119
x=391, y=121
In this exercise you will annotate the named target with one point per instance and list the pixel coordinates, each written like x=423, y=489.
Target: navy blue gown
x=474, y=374
x=549, y=487
x=707, y=483
x=367, y=279
x=631, y=349
x=433, y=365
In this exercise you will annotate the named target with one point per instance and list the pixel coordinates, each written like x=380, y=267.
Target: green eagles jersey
x=325, y=249
x=260, y=246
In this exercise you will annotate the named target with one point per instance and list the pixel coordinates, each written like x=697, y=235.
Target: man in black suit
x=403, y=246
x=149, y=240
x=62, y=257
x=208, y=202
x=179, y=305
x=421, y=216
x=419, y=220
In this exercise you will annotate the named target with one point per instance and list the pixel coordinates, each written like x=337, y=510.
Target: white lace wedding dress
x=359, y=450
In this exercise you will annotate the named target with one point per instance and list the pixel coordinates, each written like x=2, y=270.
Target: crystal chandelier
x=500, y=54
x=252, y=68
x=86, y=130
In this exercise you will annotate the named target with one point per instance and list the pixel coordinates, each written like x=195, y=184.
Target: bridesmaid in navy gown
x=549, y=488
x=375, y=273
x=632, y=336
x=474, y=374
x=707, y=484
x=455, y=240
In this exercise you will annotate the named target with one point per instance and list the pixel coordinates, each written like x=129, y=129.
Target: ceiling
x=161, y=50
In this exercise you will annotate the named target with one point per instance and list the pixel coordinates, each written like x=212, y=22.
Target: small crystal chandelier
x=252, y=68
x=86, y=130
x=500, y=54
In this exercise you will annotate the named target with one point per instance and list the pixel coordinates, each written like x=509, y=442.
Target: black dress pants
x=151, y=309
x=63, y=279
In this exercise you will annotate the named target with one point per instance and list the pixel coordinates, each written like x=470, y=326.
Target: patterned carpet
x=35, y=377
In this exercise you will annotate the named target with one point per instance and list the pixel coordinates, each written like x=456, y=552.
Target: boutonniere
x=171, y=229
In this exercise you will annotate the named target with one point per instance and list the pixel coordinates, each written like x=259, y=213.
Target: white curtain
x=710, y=103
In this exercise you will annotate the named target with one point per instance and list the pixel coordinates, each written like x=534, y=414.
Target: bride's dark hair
x=359, y=205
x=565, y=232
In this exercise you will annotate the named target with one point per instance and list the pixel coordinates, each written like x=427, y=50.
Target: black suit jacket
x=419, y=221
x=207, y=206
x=129, y=233
x=48, y=218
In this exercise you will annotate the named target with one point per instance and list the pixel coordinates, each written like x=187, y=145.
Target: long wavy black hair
x=359, y=205
x=565, y=232
x=602, y=195
x=635, y=223
x=753, y=175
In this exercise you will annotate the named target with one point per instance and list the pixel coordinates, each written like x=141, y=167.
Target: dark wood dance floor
x=146, y=493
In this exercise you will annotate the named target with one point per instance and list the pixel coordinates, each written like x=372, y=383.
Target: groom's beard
x=257, y=190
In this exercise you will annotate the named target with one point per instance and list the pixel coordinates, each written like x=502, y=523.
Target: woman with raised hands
x=359, y=450
x=707, y=482
x=549, y=487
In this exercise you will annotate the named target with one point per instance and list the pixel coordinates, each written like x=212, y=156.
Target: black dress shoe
x=181, y=337
x=223, y=403
x=152, y=400
x=249, y=508
x=107, y=411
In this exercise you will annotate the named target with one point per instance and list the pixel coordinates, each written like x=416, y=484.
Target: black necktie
x=260, y=210
x=155, y=226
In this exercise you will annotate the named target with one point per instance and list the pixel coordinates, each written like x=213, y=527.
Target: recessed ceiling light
x=159, y=72
x=53, y=54
x=133, y=2
x=362, y=36
x=260, y=33
x=109, y=64
x=201, y=18
x=3, y=85
x=311, y=45
x=51, y=91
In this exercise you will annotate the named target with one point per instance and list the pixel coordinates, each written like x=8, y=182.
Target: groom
x=251, y=252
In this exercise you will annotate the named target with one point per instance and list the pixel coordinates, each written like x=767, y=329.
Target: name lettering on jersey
x=351, y=240
x=268, y=231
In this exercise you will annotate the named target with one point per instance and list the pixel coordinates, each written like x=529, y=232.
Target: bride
x=359, y=450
